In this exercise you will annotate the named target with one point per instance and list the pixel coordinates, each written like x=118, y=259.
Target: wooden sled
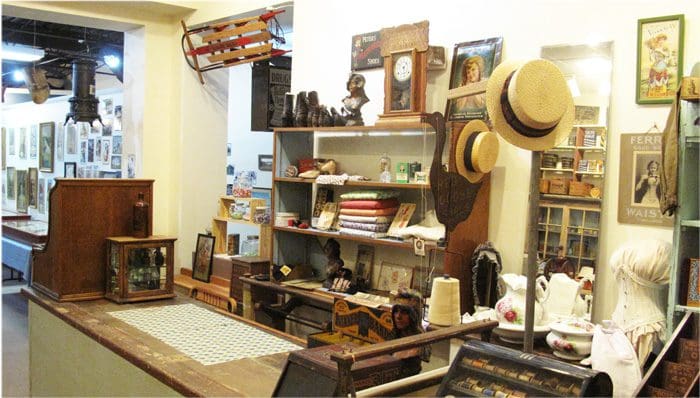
x=230, y=43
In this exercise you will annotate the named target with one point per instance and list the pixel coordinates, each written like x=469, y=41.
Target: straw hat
x=476, y=151
x=539, y=109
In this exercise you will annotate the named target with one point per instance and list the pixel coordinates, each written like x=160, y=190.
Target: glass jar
x=242, y=187
x=249, y=247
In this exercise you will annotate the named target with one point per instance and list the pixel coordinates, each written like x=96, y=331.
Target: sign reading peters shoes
x=366, y=51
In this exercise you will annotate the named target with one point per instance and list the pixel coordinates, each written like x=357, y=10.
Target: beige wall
x=321, y=61
x=183, y=136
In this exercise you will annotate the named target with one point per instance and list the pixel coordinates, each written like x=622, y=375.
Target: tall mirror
x=572, y=174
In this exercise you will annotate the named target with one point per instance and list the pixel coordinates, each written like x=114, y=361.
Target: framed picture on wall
x=22, y=143
x=659, y=58
x=32, y=186
x=70, y=170
x=265, y=162
x=472, y=64
x=60, y=142
x=640, y=189
x=33, y=141
x=10, y=141
x=41, y=205
x=22, y=194
x=394, y=276
x=4, y=148
x=71, y=139
x=204, y=254
x=11, y=181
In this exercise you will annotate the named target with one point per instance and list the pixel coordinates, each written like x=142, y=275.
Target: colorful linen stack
x=367, y=213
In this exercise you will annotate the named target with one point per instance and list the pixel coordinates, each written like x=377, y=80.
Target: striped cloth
x=365, y=234
x=365, y=226
x=372, y=219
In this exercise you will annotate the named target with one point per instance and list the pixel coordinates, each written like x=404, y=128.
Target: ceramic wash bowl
x=571, y=339
x=515, y=334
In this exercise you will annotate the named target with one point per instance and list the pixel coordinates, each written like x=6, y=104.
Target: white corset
x=639, y=302
x=641, y=269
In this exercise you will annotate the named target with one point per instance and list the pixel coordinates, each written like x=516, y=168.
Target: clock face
x=403, y=68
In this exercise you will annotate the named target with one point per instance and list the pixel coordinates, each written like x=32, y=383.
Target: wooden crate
x=544, y=185
x=577, y=188
x=559, y=186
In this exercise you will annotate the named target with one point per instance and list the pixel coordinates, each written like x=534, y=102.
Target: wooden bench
x=214, y=293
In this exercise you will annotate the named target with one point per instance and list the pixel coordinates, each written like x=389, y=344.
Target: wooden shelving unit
x=575, y=227
x=353, y=149
x=224, y=217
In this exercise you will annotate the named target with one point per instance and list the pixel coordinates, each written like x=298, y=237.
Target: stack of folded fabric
x=367, y=213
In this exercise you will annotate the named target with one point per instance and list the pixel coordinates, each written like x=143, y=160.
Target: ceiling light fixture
x=112, y=61
x=18, y=52
x=18, y=75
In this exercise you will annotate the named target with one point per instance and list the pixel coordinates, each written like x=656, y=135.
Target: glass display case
x=140, y=269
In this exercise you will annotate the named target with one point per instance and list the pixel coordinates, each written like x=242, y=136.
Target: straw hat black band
x=468, y=151
x=512, y=119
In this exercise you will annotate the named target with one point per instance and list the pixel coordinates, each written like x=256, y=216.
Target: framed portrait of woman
x=472, y=64
x=640, y=180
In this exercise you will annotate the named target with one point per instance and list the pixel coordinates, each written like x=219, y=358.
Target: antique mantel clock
x=404, y=49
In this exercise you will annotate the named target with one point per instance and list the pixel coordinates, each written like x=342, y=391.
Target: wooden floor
x=15, y=346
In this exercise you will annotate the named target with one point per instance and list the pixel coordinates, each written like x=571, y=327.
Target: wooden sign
x=405, y=36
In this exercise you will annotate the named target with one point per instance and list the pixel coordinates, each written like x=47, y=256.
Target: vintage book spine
x=693, y=283
x=689, y=352
x=677, y=377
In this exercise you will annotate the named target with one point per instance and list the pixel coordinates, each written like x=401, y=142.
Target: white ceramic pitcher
x=563, y=300
x=511, y=307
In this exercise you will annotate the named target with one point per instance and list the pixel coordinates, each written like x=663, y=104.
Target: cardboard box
x=402, y=172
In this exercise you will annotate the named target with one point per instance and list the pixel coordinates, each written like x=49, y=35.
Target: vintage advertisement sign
x=640, y=181
x=366, y=51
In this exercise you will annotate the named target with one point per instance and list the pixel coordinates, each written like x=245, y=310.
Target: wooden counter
x=88, y=324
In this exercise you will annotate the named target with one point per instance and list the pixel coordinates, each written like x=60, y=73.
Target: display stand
x=531, y=271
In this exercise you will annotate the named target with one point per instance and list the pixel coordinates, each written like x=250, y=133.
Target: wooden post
x=532, y=251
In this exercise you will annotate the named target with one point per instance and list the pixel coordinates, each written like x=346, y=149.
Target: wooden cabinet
x=82, y=213
x=357, y=152
x=686, y=229
x=246, y=265
x=574, y=227
x=139, y=269
x=225, y=215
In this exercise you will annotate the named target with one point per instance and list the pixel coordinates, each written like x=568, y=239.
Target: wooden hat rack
x=230, y=43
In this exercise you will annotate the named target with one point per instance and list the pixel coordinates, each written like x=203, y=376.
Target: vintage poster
x=366, y=51
x=659, y=58
x=640, y=182
x=472, y=63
